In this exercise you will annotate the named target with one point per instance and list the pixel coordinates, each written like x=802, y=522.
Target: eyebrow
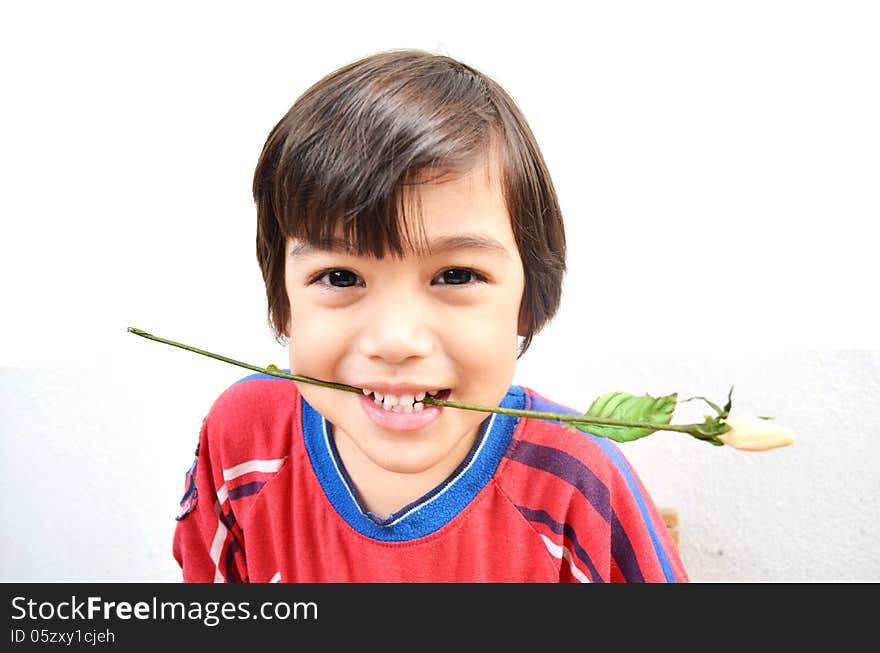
x=441, y=245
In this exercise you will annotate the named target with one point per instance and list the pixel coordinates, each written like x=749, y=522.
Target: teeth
x=402, y=403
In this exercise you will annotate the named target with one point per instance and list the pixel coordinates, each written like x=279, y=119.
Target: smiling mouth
x=405, y=403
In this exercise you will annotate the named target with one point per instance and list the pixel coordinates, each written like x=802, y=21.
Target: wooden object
x=670, y=516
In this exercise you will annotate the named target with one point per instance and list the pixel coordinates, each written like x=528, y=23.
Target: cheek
x=317, y=338
x=485, y=339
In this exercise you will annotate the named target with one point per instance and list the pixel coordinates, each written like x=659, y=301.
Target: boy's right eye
x=341, y=279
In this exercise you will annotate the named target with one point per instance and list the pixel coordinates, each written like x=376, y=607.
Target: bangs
x=387, y=225
x=351, y=150
x=393, y=227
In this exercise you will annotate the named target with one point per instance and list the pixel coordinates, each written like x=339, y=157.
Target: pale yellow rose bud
x=755, y=434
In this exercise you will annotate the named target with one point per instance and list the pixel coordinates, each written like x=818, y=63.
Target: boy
x=408, y=235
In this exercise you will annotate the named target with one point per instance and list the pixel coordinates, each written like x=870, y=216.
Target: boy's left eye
x=456, y=277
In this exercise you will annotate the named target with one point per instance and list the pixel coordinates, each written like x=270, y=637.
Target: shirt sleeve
x=207, y=540
x=642, y=548
x=583, y=498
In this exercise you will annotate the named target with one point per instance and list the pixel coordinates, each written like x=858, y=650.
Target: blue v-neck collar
x=428, y=513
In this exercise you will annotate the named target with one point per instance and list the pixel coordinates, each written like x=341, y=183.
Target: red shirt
x=269, y=500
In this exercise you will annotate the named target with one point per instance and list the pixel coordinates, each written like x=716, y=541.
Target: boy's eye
x=456, y=277
x=341, y=279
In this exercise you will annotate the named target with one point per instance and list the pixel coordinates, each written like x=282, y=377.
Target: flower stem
x=558, y=417
x=271, y=370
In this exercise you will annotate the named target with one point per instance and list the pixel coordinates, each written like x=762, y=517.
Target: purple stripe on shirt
x=228, y=519
x=231, y=550
x=574, y=472
x=245, y=490
x=543, y=517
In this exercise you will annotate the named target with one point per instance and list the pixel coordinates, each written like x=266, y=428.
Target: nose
x=396, y=328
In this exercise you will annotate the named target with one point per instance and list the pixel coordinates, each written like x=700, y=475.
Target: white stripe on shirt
x=253, y=466
x=563, y=553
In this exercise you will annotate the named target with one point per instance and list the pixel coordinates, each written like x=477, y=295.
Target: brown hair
x=352, y=143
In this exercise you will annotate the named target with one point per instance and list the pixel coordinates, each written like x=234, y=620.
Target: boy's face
x=402, y=326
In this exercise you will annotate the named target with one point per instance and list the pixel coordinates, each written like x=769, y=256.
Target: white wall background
x=718, y=168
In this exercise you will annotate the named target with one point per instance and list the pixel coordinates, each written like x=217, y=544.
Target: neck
x=383, y=491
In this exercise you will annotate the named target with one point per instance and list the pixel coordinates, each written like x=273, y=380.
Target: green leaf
x=628, y=408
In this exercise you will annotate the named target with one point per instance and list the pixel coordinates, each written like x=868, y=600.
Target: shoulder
x=550, y=459
x=547, y=442
x=255, y=394
x=255, y=417
x=582, y=496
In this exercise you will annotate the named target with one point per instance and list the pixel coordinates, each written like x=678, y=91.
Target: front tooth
x=389, y=402
x=406, y=400
x=420, y=396
x=418, y=406
x=377, y=397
